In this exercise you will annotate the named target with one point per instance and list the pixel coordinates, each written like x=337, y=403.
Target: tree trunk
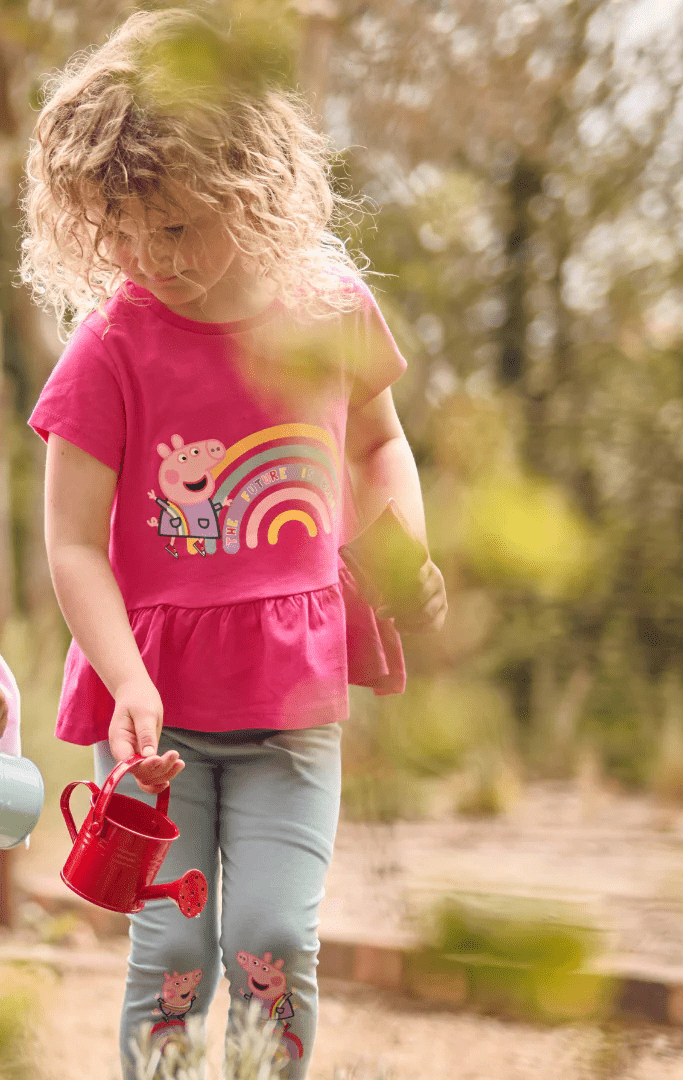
x=7, y=895
x=319, y=18
x=569, y=708
x=525, y=182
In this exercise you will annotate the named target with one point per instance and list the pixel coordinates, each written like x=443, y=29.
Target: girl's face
x=185, y=258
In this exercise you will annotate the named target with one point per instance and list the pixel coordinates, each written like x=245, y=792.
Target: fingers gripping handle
x=117, y=773
x=103, y=795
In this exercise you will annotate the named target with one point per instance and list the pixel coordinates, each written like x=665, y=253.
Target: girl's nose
x=154, y=257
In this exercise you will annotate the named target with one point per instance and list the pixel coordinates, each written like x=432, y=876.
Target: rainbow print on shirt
x=270, y=477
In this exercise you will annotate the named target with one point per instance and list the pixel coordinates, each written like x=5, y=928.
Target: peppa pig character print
x=187, y=486
x=268, y=985
x=175, y=1001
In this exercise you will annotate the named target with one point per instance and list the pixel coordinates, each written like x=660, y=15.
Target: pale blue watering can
x=21, y=799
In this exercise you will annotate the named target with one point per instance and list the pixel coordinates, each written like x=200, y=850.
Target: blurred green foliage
x=395, y=749
x=528, y=251
x=523, y=531
x=525, y=964
x=256, y=51
x=536, y=268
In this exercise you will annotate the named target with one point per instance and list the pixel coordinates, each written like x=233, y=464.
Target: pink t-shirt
x=10, y=742
x=228, y=443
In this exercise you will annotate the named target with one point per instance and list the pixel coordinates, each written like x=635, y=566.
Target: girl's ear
x=279, y=964
x=163, y=449
x=177, y=441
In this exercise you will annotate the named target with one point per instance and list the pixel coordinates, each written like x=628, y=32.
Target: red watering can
x=120, y=847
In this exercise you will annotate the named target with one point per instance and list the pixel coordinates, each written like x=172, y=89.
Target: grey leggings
x=266, y=815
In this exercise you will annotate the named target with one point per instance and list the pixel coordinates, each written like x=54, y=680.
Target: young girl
x=197, y=426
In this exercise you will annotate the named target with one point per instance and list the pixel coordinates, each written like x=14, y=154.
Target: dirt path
x=364, y=1036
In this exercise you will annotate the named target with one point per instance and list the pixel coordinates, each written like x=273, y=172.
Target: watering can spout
x=189, y=892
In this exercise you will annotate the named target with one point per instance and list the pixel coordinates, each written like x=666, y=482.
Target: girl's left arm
x=382, y=467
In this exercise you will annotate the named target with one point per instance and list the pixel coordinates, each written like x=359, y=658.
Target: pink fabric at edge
x=10, y=743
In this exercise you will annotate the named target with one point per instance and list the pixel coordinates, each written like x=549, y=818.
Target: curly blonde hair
x=170, y=100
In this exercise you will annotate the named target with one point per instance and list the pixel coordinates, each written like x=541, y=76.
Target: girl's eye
x=194, y=451
x=182, y=457
x=175, y=230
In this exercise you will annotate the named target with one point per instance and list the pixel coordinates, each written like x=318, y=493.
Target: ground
x=365, y=1036
x=622, y=854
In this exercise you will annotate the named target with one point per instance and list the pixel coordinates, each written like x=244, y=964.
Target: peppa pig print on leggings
x=268, y=985
x=175, y=1001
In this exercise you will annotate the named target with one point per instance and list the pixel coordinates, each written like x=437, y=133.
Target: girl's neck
x=224, y=307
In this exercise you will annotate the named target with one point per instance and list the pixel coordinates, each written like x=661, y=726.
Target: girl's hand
x=4, y=712
x=428, y=606
x=135, y=729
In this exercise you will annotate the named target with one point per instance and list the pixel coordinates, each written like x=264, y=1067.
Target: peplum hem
x=282, y=663
x=373, y=646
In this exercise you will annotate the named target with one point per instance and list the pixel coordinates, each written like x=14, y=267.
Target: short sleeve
x=82, y=401
x=378, y=362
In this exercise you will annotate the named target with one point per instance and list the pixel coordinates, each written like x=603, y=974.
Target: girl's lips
x=162, y=280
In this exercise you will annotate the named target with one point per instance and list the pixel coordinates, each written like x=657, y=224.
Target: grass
x=488, y=784
x=21, y=1006
x=396, y=749
x=252, y=1050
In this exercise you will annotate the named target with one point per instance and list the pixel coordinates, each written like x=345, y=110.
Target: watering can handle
x=66, y=809
x=117, y=773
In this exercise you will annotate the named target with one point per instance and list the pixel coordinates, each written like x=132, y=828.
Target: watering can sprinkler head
x=188, y=892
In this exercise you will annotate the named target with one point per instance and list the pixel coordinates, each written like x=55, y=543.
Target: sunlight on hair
x=171, y=100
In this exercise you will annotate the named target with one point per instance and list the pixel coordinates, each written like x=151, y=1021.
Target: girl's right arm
x=79, y=492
